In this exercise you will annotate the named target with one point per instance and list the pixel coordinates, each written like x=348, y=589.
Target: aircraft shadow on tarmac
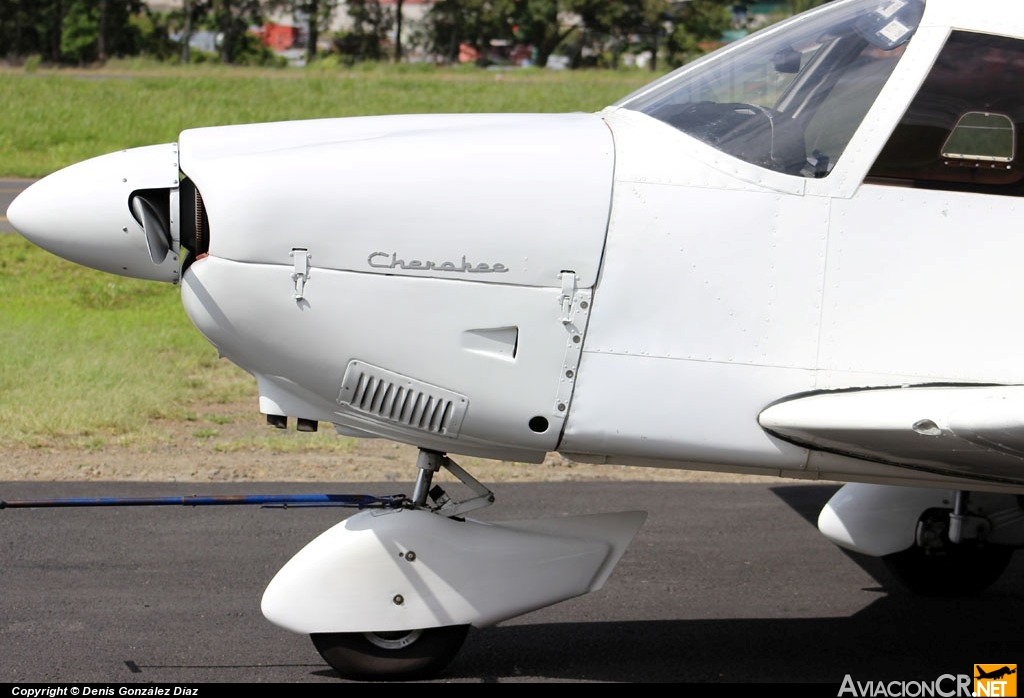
x=899, y=636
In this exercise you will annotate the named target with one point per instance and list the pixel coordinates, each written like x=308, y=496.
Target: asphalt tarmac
x=723, y=584
x=9, y=188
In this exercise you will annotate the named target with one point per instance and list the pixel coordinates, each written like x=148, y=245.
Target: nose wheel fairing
x=411, y=568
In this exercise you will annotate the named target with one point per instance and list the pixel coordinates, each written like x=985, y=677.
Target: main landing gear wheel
x=936, y=566
x=388, y=656
x=954, y=571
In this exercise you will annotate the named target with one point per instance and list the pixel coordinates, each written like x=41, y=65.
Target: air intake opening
x=402, y=401
x=195, y=225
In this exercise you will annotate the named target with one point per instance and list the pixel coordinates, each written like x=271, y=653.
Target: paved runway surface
x=9, y=188
x=724, y=583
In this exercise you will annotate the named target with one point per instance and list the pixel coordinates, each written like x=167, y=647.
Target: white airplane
x=797, y=256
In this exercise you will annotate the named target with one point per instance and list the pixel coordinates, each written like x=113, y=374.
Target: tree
x=186, y=31
x=693, y=25
x=57, y=25
x=79, y=30
x=232, y=19
x=28, y=28
x=537, y=23
x=620, y=25
x=477, y=23
x=316, y=14
x=371, y=26
x=91, y=30
x=398, y=30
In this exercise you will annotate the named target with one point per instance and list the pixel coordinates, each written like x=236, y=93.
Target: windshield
x=790, y=97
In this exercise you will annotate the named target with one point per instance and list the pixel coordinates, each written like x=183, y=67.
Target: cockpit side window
x=962, y=131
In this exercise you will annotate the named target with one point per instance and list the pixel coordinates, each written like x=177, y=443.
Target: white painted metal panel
x=707, y=310
x=651, y=151
x=425, y=329
x=642, y=409
x=924, y=284
x=502, y=198
x=708, y=274
x=993, y=16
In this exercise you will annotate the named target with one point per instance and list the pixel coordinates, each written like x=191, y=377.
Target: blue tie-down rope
x=357, y=501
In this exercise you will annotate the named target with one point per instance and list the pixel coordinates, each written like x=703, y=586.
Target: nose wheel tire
x=383, y=656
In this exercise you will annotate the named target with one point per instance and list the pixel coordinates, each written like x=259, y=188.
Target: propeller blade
x=155, y=224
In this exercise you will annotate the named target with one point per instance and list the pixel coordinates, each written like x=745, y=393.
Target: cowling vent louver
x=391, y=397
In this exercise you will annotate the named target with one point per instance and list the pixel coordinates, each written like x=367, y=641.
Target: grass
x=92, y=359
x=54, y=118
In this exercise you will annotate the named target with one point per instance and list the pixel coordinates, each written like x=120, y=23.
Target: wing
x=965, y=431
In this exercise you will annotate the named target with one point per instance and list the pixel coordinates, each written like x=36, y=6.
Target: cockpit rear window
x=961, y=131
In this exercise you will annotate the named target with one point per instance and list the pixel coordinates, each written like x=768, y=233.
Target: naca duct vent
x=397, y=399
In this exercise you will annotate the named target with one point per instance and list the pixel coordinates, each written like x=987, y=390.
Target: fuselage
x=666, y=282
